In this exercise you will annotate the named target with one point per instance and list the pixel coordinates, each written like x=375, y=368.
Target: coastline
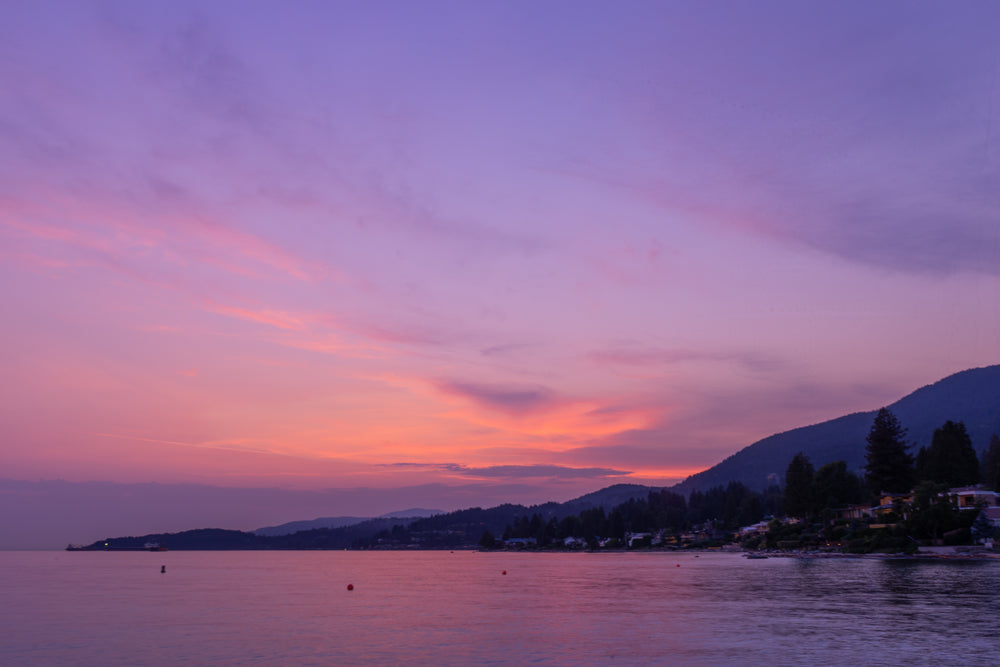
x=919, y=555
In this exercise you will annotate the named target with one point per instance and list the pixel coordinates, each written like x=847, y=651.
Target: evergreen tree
x=950, y=459
x=570, y=526
x=593, y=523
x=991, y=464
x=668, y=509
x=889, y=464
x=487, y=541
x=616, y=524
x=920, y=465
x=932, y=513
x=735, y=494
x=836, y=486
x=799, y=479
x=750, y=511
x=697, y=513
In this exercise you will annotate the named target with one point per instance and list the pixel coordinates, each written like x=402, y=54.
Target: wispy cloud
x=236, y=445
x=634, y=354
x=281, y=320
x=104, y=224
x=505, y=349
x=331, y=345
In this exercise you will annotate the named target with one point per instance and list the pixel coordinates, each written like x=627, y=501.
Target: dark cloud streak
x=516, y=471
x=505, y=398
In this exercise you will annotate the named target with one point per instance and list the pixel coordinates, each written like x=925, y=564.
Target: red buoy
x=350, y=587
x=678, y=564
x=504, y=572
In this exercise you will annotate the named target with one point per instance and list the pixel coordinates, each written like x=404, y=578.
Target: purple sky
x=541, y=247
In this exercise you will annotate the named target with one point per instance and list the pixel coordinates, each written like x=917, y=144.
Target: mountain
x=340, y=521
x=412, y=513
x=608, y=498
x=216, y=539
x=461, y=528
x=971, y=396
x=309, y=524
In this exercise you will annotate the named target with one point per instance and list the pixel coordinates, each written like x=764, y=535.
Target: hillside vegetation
x=972, y=397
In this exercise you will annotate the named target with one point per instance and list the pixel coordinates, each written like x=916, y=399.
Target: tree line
x=949, y=461
x=719, y=510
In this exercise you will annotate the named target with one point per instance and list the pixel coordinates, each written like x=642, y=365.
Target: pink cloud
x=279, y=319
x=105, y=223
x=248, y=245
x=331, y=345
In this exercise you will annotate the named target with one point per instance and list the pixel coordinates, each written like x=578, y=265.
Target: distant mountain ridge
x=607, y=498
x=341, y=521
x=458, y=528
x=309, y=524
x=412, y=513
x=971, y=396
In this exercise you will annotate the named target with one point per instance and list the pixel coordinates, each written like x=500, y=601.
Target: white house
x=971, y=497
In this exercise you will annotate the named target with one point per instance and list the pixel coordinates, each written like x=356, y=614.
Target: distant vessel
x=754, y=556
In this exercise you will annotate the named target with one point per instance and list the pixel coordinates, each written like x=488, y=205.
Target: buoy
x=350, y=587
x=504, y=572
x=163, y=568
x=678, y=564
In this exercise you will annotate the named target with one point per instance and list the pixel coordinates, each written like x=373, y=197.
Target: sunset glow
x=539, y=248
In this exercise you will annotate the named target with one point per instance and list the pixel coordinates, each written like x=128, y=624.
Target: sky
x=511, y=251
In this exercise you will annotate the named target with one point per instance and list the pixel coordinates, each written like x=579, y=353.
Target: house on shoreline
x=963, y=498
x=973, y=497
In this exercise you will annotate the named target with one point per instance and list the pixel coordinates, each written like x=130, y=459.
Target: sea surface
x=442, y=608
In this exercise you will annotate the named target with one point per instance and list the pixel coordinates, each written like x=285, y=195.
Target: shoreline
x=887, y=556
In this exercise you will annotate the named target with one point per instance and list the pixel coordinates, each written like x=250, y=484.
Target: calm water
x=286, y=608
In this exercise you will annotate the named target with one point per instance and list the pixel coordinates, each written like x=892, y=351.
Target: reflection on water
x=457, y=608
